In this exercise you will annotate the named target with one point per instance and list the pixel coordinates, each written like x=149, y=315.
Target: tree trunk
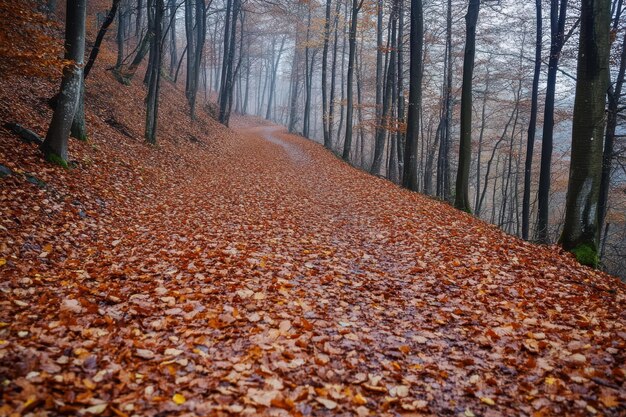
x=443, y=158
x=103, y=30
x=581, y=231
x=384, y=120
x=409, y=176
x=273, y=75
x=347, y=145
x=138, y=22
x=126, y=75
x=400, y=92
x=461, y=198
x=532, y=125
x=379, y=59
x=173, y=47
x=333, y=78
x=195, y=18
x=54, y=146
x=155, y=25
x=325, y=125
x=307, y=103
x=79, y=125
x=295, y=87
x=481, y=135
x=615, y=92
x=120, y=40
x=230, y=33
x=557, y=34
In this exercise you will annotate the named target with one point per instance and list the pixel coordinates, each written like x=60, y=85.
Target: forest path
x=271, y=278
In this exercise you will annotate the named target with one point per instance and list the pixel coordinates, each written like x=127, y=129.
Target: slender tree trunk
x=400, y=86
x=54, y=146
x=126, y=75
x=274, y=75
x=384, y=122
x=227, y=71
x=226, y=49
x=581, y=231
x=103, y=30
x=483, y=123
x=532, y=125
x=343, y=75
x=173, y=46
x=409, y=176
x=295, y=87
x=443, y=159
x=246, y=94
x=307, y=103
x=155, y=24
x=325, y=125
x=120, y=39
x=461, y=198
x=138, y=22
x=614, y=94
x=557, y=34
x=379, y=58
x=333, y=78
x=347, y=145
x=359, y=101
x=490, y=162
x=79, y=125
x=307, y=76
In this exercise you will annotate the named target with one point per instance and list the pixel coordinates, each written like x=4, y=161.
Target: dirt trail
x=273, y=279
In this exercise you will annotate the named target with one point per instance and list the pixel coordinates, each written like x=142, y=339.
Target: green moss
x=56, y=159
x=81, y=136
x=586, y=254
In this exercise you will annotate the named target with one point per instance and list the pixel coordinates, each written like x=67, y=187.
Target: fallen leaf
x=144, y=353
x=94, y=409
x=329, y=404
x=487, y=401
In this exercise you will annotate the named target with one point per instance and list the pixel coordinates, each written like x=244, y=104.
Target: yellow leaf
x=3, y=261
x=178, y=399
x=359, y=399
x=550, y=380
x=488, y=401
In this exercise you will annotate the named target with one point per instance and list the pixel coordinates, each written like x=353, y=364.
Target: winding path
x=271, y=278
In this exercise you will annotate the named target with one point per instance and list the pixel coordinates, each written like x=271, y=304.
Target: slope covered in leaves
x=253, y=273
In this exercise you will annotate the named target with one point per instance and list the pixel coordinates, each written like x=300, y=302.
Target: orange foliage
x=27, y=42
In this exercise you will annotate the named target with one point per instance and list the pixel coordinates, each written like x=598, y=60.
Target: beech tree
x=409, y=176
x=532, y=124
x=347, y=145
x=55, y=145
x=195, y=29
x=155, y=12
x=558, y=11
x=613, y=111
x=461, y=199
x=581, y=230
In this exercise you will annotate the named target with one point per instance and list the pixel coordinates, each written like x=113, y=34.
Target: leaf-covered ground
x=253, y=273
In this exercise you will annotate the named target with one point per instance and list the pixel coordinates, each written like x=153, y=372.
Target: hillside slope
x=250, y=272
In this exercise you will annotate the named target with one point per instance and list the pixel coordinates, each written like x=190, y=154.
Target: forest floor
x=251, y=272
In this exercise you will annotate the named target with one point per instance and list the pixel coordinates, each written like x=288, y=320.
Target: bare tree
x=54, y=146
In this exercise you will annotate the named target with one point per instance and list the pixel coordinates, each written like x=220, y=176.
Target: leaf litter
x=241, y=276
